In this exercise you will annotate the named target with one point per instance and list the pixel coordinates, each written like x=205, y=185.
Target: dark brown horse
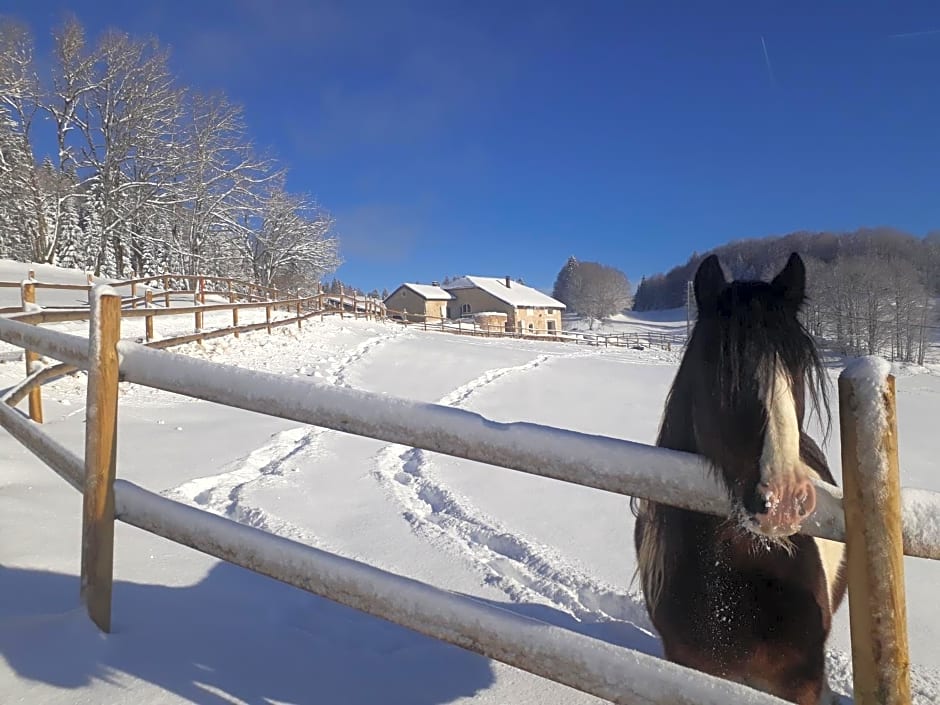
x=747, y=598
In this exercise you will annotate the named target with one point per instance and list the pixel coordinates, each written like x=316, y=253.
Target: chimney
x=507, y=282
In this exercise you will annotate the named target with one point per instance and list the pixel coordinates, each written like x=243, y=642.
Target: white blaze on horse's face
x=786, y=482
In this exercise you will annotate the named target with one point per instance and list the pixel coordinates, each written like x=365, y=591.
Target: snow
x=515, y=294
x=191, y=628
x=921, y=510
x=431, y=293
x=607, y=670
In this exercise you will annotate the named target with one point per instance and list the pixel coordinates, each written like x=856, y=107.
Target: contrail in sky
x=770, y=69
x=902, y=35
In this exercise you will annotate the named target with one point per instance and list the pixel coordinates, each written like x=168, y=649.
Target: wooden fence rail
x=624, y=467
x=300, y=309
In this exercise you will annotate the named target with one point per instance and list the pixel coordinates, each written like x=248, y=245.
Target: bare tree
x=147, y=176
x=25, y=200
x=126, y=112
x=596, y=290
x=293, y=239
x=219, y=183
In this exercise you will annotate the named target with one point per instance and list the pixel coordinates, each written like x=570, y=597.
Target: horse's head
x=752, y=363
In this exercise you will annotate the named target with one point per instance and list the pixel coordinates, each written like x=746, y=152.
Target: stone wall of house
x=491, y=321
x=537, y=320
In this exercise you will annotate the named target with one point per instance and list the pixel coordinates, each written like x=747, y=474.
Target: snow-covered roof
x=429, y=292
x=515, y=294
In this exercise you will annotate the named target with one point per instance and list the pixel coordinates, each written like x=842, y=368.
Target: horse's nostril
x=756, y=502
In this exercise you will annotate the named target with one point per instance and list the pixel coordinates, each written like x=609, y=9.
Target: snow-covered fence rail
x=610, y=464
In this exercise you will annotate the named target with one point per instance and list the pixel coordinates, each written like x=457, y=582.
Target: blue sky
x=501, y=137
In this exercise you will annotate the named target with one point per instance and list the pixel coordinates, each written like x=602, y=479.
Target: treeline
x=336, y=286
x=871, y=291
x=143, y=175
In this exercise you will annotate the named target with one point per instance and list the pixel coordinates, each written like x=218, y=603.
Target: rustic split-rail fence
x=878, y=521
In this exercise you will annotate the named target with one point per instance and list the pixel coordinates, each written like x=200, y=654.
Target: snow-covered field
x=188, y=628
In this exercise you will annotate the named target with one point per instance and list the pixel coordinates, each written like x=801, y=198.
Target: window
x=551, y=326
x=464, y=309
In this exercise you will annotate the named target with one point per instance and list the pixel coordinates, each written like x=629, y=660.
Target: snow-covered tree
x=293, y=240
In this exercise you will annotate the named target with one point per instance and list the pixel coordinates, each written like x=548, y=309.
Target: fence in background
x=467, y=326
x=281, y=310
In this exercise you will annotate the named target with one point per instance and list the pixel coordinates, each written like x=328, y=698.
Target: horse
x=746, y=597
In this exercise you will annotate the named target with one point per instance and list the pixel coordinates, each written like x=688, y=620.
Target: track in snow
x=226, y=493
x=523, y=570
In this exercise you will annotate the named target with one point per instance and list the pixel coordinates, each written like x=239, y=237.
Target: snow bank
x=611, y=672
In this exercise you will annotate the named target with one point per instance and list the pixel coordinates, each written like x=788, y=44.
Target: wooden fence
x=297, y=308
x=876, y=545
x=461, y=326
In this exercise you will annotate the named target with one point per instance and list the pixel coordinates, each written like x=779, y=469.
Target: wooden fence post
x=198, y=314
x=166, y=290
x=28, y=299
x=299, y=311
x=267, y=316
x=134, y=295
x=342, y=302
x=148, y=320
x=100, y=457
x=235, y=320
x=874, y=548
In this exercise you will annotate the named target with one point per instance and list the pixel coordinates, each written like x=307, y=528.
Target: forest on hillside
x=109, y=164
x=870, y=291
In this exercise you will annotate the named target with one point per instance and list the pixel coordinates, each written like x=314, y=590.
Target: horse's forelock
x=758, y=335
x=731, y=354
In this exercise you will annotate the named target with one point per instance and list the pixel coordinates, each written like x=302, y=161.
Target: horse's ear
x=709, y=283
x=791, y=282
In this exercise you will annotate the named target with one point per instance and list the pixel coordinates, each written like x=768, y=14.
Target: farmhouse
x=421, y=302
x=527, y=310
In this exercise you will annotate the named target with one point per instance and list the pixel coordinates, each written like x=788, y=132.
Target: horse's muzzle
x=783, y=506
